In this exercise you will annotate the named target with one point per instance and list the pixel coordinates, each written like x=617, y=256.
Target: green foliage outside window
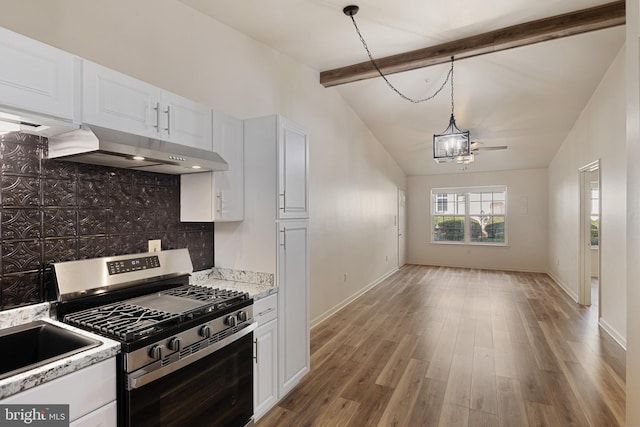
x=448, y=228
x=493, y=230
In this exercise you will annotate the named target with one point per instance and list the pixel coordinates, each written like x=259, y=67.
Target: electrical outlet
x=155, y=245
x=345, y=277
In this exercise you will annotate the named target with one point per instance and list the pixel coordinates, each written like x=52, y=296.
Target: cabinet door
x=84, y=391
x=217, y=196
x=114, y=100
x=265, y=390
x=36, y=77
x=229, y=192
x=106, y=416
x=185, y=122
x=293, y=171
x=197, y=200
x=293, y=303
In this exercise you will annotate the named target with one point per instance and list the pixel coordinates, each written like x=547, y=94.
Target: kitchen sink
x=37, y=343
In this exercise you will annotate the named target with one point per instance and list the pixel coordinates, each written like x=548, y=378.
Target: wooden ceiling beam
x=568, y=24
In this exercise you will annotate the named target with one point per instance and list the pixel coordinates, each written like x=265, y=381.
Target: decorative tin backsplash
x=54, y=211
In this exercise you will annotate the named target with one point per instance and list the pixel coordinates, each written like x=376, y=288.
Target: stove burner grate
x=122, y=320
x=219, y=298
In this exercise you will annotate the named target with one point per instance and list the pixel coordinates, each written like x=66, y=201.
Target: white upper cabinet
x=114, y=100
x=293, y=171
x=187, y=122
x=217, y=196
x=228, y=141
x=36, y=77
x=278, y=151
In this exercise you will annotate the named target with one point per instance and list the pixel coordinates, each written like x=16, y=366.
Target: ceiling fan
x=476, y=147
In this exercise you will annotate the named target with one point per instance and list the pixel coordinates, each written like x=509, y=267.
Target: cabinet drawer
x=105, y=416
x=265, y=309
x=84, y=391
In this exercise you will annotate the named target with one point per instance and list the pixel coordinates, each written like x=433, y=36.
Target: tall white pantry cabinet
x=276, y=171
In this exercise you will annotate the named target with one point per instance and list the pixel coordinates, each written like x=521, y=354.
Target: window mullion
x=467, y=218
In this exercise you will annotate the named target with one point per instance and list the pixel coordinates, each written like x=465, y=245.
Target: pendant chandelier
x=453, y=145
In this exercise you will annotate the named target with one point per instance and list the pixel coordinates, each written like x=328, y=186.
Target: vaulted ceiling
x=527, y=98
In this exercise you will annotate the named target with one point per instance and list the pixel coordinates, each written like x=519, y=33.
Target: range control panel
x=133, y=264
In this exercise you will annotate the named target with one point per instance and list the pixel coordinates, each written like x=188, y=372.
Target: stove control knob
x=231, y=320
x=205, y=331
x=242, y=316
x=175, y=344
x=155, y=352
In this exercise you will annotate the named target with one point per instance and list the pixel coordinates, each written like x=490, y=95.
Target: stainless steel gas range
x=187, y=351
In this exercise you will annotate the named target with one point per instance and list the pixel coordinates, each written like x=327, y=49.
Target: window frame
x=467, y=216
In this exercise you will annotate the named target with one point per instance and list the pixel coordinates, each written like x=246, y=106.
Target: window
x=595, y=214
x=441, y=203
x=469, y=215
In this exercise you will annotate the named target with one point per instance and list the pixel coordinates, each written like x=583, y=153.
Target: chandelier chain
x=451, y=71
x=415, y=101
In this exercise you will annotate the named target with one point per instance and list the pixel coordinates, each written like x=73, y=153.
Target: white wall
x=353, y=180
x=633, y=211
x=526, y=222
x=599, y=133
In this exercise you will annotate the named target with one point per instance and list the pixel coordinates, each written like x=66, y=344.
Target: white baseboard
x=617, y=336
x=564, y=287
x=482, y=267
x=613, y=333
x=324, y=316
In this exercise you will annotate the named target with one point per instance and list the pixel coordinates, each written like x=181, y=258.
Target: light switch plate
x=155, y=245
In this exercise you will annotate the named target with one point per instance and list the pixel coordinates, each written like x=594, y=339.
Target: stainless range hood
x=107, y=147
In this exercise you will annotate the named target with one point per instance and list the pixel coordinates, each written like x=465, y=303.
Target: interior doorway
x=402, y=226
x=590, y=235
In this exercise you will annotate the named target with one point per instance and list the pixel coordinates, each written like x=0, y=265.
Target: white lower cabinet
x=265, y=387
x=89, y=392
x=293, y=303
x=266, y=368
x=104, y=416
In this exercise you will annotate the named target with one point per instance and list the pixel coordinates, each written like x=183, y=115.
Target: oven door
x=216, y=390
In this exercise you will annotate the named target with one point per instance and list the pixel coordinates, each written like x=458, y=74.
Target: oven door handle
x=143, y=377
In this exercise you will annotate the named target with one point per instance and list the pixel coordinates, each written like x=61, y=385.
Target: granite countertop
x=258, y=285
x=34, y=377
x=255, y=291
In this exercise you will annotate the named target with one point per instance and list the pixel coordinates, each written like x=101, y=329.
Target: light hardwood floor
x=433, y=346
